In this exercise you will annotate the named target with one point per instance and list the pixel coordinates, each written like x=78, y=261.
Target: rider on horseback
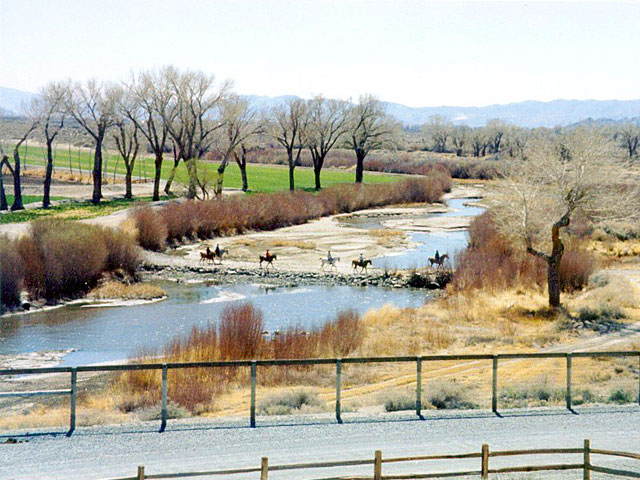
x=329, y=257
x=361, y=258
x=437, y=257
x=217, y=251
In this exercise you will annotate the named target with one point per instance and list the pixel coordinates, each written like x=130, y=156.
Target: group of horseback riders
x=331, y=260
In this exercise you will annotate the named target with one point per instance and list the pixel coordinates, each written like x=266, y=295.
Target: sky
x=418, y=53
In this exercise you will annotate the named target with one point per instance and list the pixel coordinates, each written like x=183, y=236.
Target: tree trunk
x=553, y=282
x=292, y=167
x=46, y=197
x=156, y=177
x=316, y=172
x=127, y=180
x=97, y=173
x=360, y=155
x=193, y=178
x=3, y=196
x=17, y=186
x=172, y=174
x=243, y=173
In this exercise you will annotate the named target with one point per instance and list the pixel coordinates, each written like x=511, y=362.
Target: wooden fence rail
x=484, y=471
x=338, y=362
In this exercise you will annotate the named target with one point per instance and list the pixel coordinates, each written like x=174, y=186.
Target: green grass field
x=262, y=178
x=30, y=199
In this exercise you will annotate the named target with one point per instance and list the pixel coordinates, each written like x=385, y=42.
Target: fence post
x=484, y=472
x=140, y=472
x=338, y=389
x=252, y=411
x=494, y=386
x=419, y=386
x=377, y=465
x=72, y=408
x=586, y=469
x=568, y=397
x=164, y=415
x=638, y=379
x=264, y=468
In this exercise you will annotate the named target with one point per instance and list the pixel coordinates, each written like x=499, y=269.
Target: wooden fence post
x=494, y=386
x=568, y=396
x=419, y=386
x=164, y=412
x=338, y=389
x=140, y=472
x=72, y=407
x=264, y=468
x=252, y=412
x=586, y=469
x=484, y=471
x=377, y=465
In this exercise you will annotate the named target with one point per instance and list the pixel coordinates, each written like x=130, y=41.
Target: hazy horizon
x=415, y=53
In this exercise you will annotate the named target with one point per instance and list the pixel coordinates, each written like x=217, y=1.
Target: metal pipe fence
x=338, y=362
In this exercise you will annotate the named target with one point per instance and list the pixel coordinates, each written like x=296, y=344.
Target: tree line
x=187, y=114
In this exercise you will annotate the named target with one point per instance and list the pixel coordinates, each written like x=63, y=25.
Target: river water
x=103, y=334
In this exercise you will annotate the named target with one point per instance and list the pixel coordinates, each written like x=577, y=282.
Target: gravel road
x=204, y=444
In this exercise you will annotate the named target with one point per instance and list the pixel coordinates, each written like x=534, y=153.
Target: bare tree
x=126, y=135
x=32, y=123
x=460, y=136
x=49, y=108
x=369, y=128
x=437, y=131
x=495, y=131
x=629, y=135
x=517, y=139
x=92, y=105
x=537, y=199
x=149, y=99
x=326, y=124
x=191, y=116
x=478, y=140
x=289, y=121
x=240, y=124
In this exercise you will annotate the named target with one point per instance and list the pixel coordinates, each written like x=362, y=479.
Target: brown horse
x=362, y=264
x=207, y=256
x=438, y=261
x=269, y=259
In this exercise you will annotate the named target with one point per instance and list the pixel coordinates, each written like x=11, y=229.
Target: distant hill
x=525, y=114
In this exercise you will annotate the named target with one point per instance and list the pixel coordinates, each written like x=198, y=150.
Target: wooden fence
x=483, y=455
x=338, y=362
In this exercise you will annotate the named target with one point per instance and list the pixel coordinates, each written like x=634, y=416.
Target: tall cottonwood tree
x=369, y=128
x=240, y=124
x=629, y=136
x=49, y=108
x=125, y=135
x=326, y=125
x=287, y=125
x=572, y=173
x=459, y=138
x=32, y=122
x=149, y=97
x=437, y=131
x=93, y=105
x=192, y=116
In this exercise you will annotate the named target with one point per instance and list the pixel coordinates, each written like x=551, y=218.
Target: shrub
x=621, y=396
x=122, y=252
x=240, y=332
x=152, y=231
x=399, y=402
x=604, y=313
x=289, y=402
x=12, y=272
x=450, y=396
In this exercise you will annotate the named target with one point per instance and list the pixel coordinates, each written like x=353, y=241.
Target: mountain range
x=529, y=113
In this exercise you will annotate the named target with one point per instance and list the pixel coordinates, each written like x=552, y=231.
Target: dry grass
x=301, y=244
x=387, y=237
x=135, y=291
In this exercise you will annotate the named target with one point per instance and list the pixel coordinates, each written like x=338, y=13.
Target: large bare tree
x=125, y=135
x=26, y=129
x=460, y=136
x=92, y=104
x=437, y=131
x=369, y=128
x=326, y=125
x=241, y=123
x=191, y=116
x=49, y=108
x=148, y=100
x=287, y=125
x=629, y=136
x=571, y=173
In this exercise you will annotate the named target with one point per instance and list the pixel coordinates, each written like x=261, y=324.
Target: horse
x=438, y=261
x=330, y=261
x=269, y=259
x=362, y=264
x=219, y=254
x=207, y=256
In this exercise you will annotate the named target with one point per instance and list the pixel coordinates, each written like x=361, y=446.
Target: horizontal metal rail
x=34, y=393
